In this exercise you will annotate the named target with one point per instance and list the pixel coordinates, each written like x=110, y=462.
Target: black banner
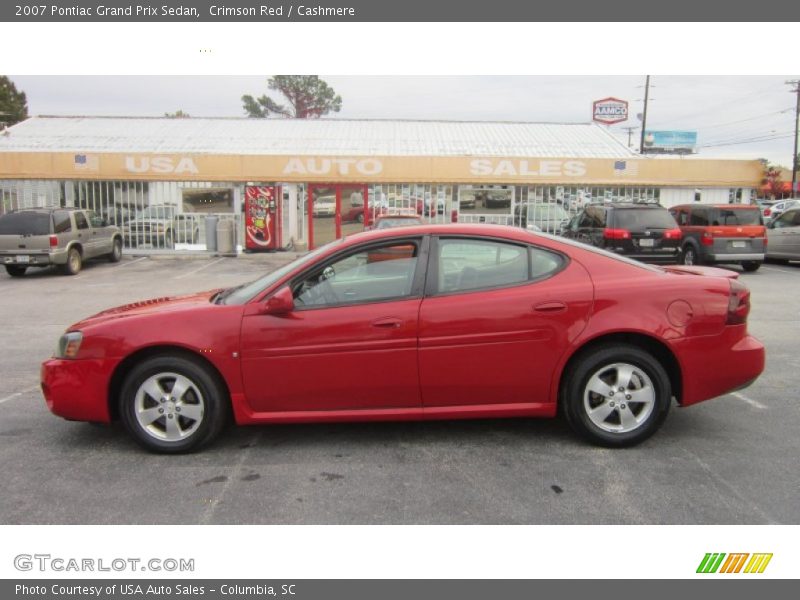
x=416, y=589
x=401, y=11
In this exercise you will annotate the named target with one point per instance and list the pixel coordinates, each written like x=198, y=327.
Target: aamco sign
x=610, y=111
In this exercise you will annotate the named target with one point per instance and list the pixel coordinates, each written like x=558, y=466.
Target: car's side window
x=787, y=219
x=61, y=222
x=585, y=219
x=80, y=221
x=479, y=264
x=373, y=274
x=699, y=217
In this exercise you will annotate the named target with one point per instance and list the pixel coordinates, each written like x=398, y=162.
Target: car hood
x=146, y=307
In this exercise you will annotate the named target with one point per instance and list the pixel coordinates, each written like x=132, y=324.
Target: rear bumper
x=716, y=365
x=736, y=257
x=77, y=389
x=35, y=260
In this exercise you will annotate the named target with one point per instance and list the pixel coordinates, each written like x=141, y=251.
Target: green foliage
x=307, y=97
x=13, y=104
x=178, y=114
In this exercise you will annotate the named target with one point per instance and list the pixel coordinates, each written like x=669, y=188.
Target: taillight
x=738, y=303
x=673, y=234
x=767, y=212
x=54, y=241
x=707, y=239
x=616, y=234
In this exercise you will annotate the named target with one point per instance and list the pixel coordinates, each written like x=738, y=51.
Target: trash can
x=211, y=233
x=226, y=237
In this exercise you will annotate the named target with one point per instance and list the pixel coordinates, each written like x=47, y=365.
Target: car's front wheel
x=116, y=251
x=616, y=395
x=173, y=404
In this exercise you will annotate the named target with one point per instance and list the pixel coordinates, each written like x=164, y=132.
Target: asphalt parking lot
x=732, y=460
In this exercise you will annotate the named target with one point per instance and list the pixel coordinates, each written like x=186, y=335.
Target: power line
x=749, y=141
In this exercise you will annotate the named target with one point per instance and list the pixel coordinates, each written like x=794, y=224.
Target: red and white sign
x=610, y=111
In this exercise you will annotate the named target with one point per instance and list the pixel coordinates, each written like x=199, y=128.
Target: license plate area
x=23, y=259
x=646, y=243
x=741, y=244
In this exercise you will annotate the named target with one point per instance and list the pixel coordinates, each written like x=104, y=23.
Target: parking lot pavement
x=732, y=460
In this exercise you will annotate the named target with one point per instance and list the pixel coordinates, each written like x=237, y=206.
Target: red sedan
x=466, y=321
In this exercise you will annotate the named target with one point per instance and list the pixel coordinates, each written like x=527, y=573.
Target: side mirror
x=280, y=303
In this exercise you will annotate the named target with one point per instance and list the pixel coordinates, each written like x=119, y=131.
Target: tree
x=308, y=97
x=13, y=103
x=178, y=114
x=773, y=182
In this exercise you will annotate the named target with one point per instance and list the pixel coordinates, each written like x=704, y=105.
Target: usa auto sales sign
x=610, y=111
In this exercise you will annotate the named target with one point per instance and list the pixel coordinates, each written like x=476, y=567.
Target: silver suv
x=41, y=237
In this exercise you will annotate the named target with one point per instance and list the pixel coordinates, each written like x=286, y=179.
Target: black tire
x=116, y=251
x=74, y=262
x=16, y=270
x=751, y=265
x=599, y=366
x=212, y=400
x=690, y=256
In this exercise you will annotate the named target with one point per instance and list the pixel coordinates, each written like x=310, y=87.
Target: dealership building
x=323, y=177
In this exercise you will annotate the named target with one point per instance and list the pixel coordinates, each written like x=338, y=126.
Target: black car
x=645, y=232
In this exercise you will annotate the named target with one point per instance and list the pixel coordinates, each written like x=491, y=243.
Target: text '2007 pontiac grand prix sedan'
x=429, y=322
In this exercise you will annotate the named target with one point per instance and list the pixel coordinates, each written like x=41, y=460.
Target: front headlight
x=69, y=344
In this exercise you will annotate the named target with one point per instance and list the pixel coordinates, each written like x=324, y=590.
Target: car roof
x=731, y=206
x=457, y=229
x=642, y=205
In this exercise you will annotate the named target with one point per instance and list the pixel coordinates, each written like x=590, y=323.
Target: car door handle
x=550, y=307
x=387, y=323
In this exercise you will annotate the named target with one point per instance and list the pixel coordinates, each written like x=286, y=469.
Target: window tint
x=25, y=223
x=80, y=221
x=370, y=275
x=739, y=216
x=61, y=222
x=478, y=264
x=699, y=217
x=643, y=218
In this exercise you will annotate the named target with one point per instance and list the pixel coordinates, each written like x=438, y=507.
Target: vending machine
x=262, y=217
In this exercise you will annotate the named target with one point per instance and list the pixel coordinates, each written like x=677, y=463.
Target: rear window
x=643, y=218
x=25, y=223
x=736, y=216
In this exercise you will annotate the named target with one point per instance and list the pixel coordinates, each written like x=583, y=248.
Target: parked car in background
x=721, y=233
x=433, y=322
x=544, y=216
x=160, y=226
x=645, y=232
x=397, y=219
x=783, y=234
x=324, y=206
x=64, y=237
x=774, y=210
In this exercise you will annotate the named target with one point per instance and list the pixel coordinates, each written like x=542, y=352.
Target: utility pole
x=796, y=91
x=644, y=113
x=630, y=131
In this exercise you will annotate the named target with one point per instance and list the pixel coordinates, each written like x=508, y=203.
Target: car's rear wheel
x=173, y=404
x=116, y=251
x=74, y=262
x=15, y=270
x=616, y=395
x=689, y=256
x=751, y=265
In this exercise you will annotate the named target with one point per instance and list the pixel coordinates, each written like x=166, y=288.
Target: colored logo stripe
x=733, y=564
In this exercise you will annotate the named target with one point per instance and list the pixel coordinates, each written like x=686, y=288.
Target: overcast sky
x=732, y=115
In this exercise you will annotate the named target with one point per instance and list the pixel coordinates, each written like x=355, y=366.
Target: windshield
x=25, y=223
x=155, y=212
x=248, y=291
x=643, y=218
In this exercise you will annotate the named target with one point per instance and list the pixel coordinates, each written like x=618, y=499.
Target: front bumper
x=77, y=390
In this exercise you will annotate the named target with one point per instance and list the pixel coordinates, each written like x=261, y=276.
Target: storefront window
x=208, y=200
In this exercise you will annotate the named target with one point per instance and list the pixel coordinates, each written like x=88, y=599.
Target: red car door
x=350, y=343
x=496, y=321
